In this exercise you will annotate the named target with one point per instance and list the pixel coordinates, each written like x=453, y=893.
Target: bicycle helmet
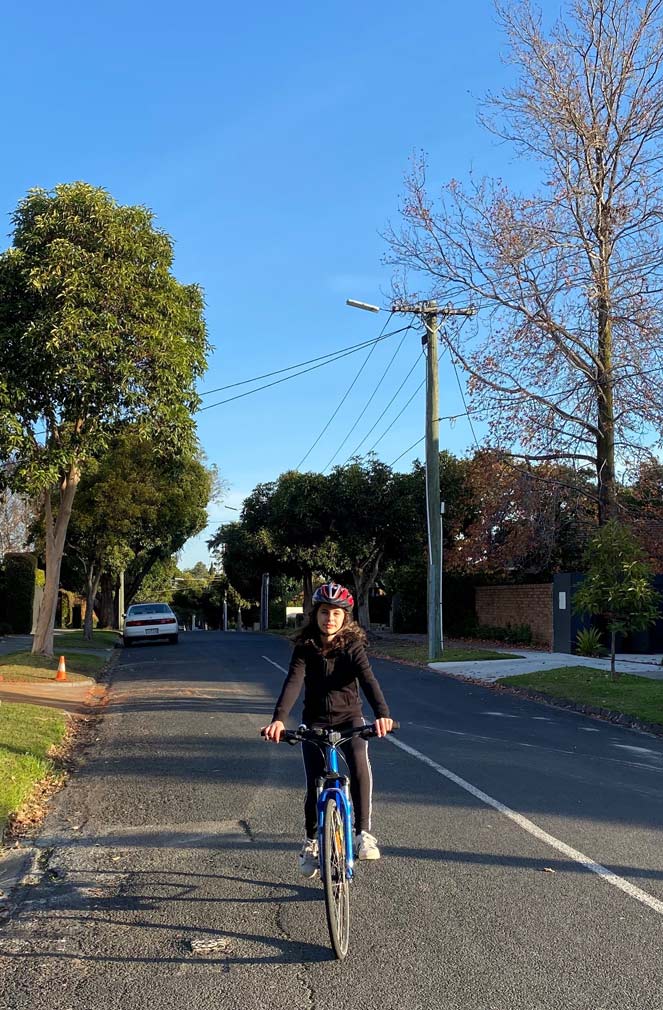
x=333, y=595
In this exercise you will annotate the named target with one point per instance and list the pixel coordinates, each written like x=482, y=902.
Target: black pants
x=355, y=752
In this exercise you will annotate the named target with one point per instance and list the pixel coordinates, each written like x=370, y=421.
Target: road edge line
x=533, y=829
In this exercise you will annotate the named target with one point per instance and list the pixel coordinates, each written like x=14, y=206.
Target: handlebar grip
x=368, y=732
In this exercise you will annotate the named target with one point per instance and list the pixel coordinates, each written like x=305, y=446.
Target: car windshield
x=150, y=608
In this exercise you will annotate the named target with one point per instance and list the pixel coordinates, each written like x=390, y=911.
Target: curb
x=592, y=711
x=21, y=865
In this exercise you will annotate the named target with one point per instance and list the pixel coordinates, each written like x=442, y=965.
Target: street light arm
x=361, y=305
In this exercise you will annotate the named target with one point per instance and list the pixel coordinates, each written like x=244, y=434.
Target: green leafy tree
x=406, y=576
x=134, y=509
x=96, y=333
x=159, y=583
x=617, y=585
x=244, y=555
x=374, y=516
x=293, y=515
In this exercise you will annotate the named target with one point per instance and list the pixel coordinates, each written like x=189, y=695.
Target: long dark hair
x=350, y=632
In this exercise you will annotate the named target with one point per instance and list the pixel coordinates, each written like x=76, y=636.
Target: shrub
x=6, y=628
x=588, y=643
x=511, y=634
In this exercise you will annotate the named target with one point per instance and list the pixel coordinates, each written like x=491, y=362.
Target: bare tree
x=567, y=360
x=17, y=514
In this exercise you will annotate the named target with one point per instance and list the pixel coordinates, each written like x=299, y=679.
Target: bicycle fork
x=340, y=791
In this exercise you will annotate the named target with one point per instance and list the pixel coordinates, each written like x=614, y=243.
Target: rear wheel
x=173, y=639
x=337, y=892
x=126, y=642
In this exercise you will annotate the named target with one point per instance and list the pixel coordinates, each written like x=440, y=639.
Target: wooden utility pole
x=430, y=319
x=430, y=313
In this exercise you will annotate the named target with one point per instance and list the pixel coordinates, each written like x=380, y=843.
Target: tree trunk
x=92, y=585
x=106, y=602
x=307, y=587
x=56, y=536
x=364, y=580
x=613, y=673
x=605, y=442
x=133, y=576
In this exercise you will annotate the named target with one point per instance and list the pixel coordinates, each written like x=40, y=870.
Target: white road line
x=637, y=750
x=502, y=715
x=536, y=831
x=588, y=729
x=473, y=737
x=281, y=668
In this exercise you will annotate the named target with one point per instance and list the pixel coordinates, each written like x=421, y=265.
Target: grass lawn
x=23, y=666
x=632, y=695
x=27, y=733
x=74, y=639
x=419, y=653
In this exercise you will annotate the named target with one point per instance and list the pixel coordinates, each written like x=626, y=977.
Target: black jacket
x=331, y=685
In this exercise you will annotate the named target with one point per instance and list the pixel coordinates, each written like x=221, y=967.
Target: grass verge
x=28, y=736
x=74, y=639
x=419, y=653
x=630, y=695
x=17, y=667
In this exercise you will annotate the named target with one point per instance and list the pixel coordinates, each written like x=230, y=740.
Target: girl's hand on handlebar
x=383, y=726
x=274, y=731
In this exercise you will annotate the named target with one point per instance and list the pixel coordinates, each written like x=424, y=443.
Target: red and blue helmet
x=334, y=596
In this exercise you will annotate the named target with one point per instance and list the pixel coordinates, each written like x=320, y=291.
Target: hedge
x=17, y=592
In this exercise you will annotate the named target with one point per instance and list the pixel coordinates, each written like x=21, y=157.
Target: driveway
x=534, y=662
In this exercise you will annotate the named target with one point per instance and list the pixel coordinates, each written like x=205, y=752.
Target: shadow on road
x=160, y=893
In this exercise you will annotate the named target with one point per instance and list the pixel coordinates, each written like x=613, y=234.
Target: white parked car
x=150, y=621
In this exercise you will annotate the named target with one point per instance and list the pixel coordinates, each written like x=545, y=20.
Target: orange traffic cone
x=62, y=670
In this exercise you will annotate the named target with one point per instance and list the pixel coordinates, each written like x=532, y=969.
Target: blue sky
x=271, y=142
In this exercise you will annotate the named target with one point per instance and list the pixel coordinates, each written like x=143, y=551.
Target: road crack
x=301, y=974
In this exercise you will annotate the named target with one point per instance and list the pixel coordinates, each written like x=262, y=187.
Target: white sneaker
x=366, y=846
x=308, y=858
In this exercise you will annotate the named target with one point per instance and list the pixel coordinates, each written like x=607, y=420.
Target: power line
x=448, y=417
x=368, y=403
x=279, y=371
x=402, y=411
x=372, y=429
x=329, y=361
x=347, y=392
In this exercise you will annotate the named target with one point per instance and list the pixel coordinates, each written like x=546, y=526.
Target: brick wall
x=502, y=605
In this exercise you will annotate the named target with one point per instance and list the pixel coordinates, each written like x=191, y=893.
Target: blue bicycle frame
x=335, y=785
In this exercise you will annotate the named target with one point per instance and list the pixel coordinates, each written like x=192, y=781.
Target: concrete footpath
x=530, y=661
x=69, y=696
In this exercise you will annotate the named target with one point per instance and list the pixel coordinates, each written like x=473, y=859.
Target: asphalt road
x=521, y=846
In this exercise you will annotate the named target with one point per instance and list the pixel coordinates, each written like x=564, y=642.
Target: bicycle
x=335, y=847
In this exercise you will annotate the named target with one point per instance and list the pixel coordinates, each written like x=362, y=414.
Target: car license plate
x=151, y=631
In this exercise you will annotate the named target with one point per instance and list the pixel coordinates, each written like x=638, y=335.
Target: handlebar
x=328, y=736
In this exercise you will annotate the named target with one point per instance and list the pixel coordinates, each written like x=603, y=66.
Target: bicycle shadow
x=194, y=945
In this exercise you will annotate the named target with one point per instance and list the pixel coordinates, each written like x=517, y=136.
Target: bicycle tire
x=336, y=884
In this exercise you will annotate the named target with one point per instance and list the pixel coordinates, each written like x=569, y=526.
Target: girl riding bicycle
x=330, y=661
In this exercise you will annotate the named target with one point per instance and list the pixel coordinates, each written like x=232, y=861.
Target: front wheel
x=337, y=891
